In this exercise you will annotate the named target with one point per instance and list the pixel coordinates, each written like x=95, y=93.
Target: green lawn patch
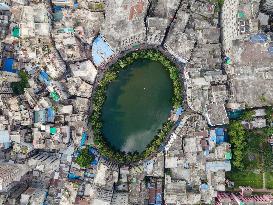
x=243, y=178
x=269, y=180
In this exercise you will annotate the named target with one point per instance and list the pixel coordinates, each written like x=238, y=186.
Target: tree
x=237, y=135
x=84, y=159
x=19, y=87
x=269, y=114
x=168, y=171
x=263, y=99
x=248, y=115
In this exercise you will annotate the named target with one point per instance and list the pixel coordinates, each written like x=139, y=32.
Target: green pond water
x=137, y=105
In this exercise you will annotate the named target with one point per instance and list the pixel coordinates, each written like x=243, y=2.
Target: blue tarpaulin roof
x=8, y=65
x=89, y=174
x=270, y=49
x=84, y=137
x=57, y=8
x=212, y=133
x=220, y=135
x=93, y=151
x=204, y=186
x=158, y=198
x=258, y=38
x=101, y=50
x=213, y=138
x=206, y=152
x=43, y=77
x=179, y=111
x=95, y=161
x=72, y=176
x=219, y=131
x=220, y=139
x=50, y=115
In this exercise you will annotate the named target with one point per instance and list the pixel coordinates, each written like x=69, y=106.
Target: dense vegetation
x=237, y=135
x=251, y=149
x=252, y=154
x=19, y=87
x=96, y=6
x=247, y=115
x=100, y=97
x=218, y=4
x=85, y=158
x=269, y=115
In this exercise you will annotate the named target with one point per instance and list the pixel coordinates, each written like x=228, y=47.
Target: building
x=124, y=26
x=103, y=197
x=85, y=70
x=120, y=198
x=244, y=197
x=76, y=86
x=4, y=139
x=44, y=162
x=63, y=3
x=5, y=5
x=268, y=6
x=157, y=22
x=33, y=196
x=218, y=165
x=69, y=193
x=40, y=116
x=178, y=43
x=32, y=21
x=10, y=173
x=101, y=51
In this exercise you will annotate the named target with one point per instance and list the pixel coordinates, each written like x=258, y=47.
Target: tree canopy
x=85, y=158
x=19, y=87
x=237, y=135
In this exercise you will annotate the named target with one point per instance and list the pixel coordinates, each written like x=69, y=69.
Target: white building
x=32, y=20
x=4, y=139
x=69, y=193
x=64, y=3
x=85, y=70
x=5, y=5
x=11, y=173
x=33, y=196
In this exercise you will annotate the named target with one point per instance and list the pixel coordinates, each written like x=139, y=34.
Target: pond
x=137, y=105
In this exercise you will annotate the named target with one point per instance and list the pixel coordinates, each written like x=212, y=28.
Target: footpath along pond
x=137, y=104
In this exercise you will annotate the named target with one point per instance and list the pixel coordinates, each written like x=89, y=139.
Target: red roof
x=151, y=195
x=136, y=9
